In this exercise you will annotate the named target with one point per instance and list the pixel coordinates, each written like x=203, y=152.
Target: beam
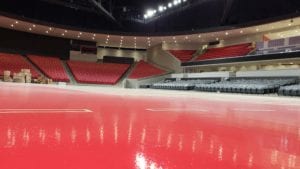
x=102, y=10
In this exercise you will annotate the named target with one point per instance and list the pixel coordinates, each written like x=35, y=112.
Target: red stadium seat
x=14, y=63
x=104, y=73
x=51, y=67
x=183, y=55
x=144, y=69
x=225, y=52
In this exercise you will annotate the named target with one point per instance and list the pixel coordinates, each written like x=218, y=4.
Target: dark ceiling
x=127, y=15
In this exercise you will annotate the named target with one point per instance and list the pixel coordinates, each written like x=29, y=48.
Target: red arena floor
x=51, y=128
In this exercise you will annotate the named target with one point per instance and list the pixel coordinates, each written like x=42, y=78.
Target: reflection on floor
x=42, y=127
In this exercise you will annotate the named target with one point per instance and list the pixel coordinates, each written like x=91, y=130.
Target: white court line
x=45, y=111
x=254, y=110
x=175, y=110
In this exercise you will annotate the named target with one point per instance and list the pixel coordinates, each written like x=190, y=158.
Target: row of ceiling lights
x=121, y=40
x=107, y=39
x=161, y=8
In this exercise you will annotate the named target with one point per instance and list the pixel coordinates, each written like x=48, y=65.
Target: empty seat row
x=249, y=86
x=183, y=55
x=181, y=84
x=292, y=90
x=144, y=69
x=51, y=67
x=14, y=63
x=97, y=73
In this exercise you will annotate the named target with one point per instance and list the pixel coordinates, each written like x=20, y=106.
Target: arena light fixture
x=160, y=8
x=150, y=12
x=175, y=2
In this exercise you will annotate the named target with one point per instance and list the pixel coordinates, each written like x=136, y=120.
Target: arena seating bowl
x=226, y=52
x=14, y=63
x=292, y=90
x=51, y=67
x=186, y=84
x=248, y=85
x=183, y=55
x=144, y=69
x=97, y=73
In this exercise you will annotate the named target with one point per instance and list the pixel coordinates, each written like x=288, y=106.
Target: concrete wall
x=181, y=46
x=76, y=55
x=211, y=74
x=269, y=73
x=137, y=55
x=162, y=58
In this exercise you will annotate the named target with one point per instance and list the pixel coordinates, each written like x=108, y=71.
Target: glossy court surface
x=50, y=128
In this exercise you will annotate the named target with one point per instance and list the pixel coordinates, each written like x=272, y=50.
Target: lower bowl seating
x=181, y=84
x=292, y=90
x=248, y=86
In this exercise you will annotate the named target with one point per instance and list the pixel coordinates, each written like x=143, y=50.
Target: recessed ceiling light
x=47, y=32
x=257, y=29
x=226, y=33
x=30, y=29
x=199, y=36
x=66, y=31
x=217, y=38
x=78, y=36
x=12, y=25
x=175, y=41
x=50, y=29
x=33, y=26
x=148, y=38
x=241, y=31
x=134, y=37
x=16, y=22
x=106, y=42
x=186, y=37
x=174, y=37
x=94, y=34
x=93, y=38
x=80, y=33
x=62, y=34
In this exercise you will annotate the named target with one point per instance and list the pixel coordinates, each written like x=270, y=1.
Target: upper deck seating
x=183, y=55
x=226, y=52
